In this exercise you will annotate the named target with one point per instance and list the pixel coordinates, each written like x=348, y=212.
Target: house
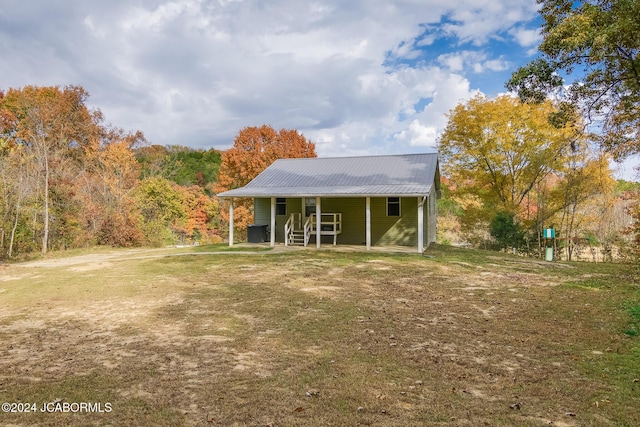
x=368, y=200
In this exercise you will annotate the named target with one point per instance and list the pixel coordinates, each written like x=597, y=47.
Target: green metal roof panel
x=409, y=174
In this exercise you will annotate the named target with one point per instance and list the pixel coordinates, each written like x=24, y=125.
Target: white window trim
x=399, y=207
x=279, y=202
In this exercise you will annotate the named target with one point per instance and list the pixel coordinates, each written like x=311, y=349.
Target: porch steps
x=296, y=237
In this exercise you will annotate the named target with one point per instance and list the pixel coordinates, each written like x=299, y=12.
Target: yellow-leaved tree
x=496, y=151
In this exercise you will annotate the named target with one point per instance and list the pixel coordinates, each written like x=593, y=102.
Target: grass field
x=267, y=338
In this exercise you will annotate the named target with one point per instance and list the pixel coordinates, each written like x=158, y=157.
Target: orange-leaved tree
x=50, y=125
x=254, y=149
x=107, y=191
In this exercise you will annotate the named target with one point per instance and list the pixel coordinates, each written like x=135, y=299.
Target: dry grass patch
x=320, y=338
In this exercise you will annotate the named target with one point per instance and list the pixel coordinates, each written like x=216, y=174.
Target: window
x=393, y=206
x=281, y=206
x=309, y=206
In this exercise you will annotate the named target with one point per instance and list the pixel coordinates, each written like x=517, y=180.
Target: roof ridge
x=357, y=157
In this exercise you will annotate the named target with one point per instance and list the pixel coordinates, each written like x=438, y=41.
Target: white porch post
x=368, y=222
x=273, y=222
x=420, y=225
x=231, y=222
x=318, y=221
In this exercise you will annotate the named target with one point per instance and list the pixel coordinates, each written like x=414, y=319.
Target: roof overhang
x=344, y=192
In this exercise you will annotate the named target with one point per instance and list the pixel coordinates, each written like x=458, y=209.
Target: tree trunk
x=45, y=233
x=570, y=229
x=13, y=230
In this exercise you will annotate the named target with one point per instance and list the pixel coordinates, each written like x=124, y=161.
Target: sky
x=356, y=77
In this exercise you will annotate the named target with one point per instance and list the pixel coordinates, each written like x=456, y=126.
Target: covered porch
x=360, y=220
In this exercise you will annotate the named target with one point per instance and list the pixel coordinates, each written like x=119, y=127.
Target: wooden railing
x=308, y=227
x=330, y=225
x=293, y=223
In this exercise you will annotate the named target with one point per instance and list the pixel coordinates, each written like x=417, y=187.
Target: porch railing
x=293, y=224
x=330, y=225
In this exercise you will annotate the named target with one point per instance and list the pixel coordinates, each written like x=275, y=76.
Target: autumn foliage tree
x=108, y=184
x=499, y=149
x=254, y=149
x=590, y=59
x=69, y=180
x=515, y=170
x=65, y=175
x=51, y=126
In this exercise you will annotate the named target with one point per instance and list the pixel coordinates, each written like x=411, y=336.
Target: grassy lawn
x=259, y=338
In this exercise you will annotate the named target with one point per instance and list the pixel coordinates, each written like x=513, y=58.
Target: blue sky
x=356, y=77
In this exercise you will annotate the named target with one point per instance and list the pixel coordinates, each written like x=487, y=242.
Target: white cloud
x=526, y=37
x=499, y=64
x=418, y=135
x=477, y=21
x=194, y=72
x=477, y=61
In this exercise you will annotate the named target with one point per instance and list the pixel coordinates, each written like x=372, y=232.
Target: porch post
x=318, y=221
x=368, y=222
x=231, y=222
x=273, y=222
x=420, y=225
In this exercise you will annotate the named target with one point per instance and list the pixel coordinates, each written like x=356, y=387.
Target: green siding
x=431, y=220
x=262, y=214
x=262, y=211
x=352, y=219
x=388, y=230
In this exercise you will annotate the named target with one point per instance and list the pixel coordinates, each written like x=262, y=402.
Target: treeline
x=69, y=180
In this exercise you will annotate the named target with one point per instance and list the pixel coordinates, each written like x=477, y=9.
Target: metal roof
x=392, y=175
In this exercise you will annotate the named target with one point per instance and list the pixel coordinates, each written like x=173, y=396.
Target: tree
x=182, y=165
x=66, y=178
x=152, y=159
x=202, y=215
x=108, y=185
x=195, y=167
x=499, y=149
x=50, y=123
x=634, y=228
x=506, y=230
x=16, y=174
x=585, y=193
x=254, y=149
x=161, y=207
x=597, y=43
